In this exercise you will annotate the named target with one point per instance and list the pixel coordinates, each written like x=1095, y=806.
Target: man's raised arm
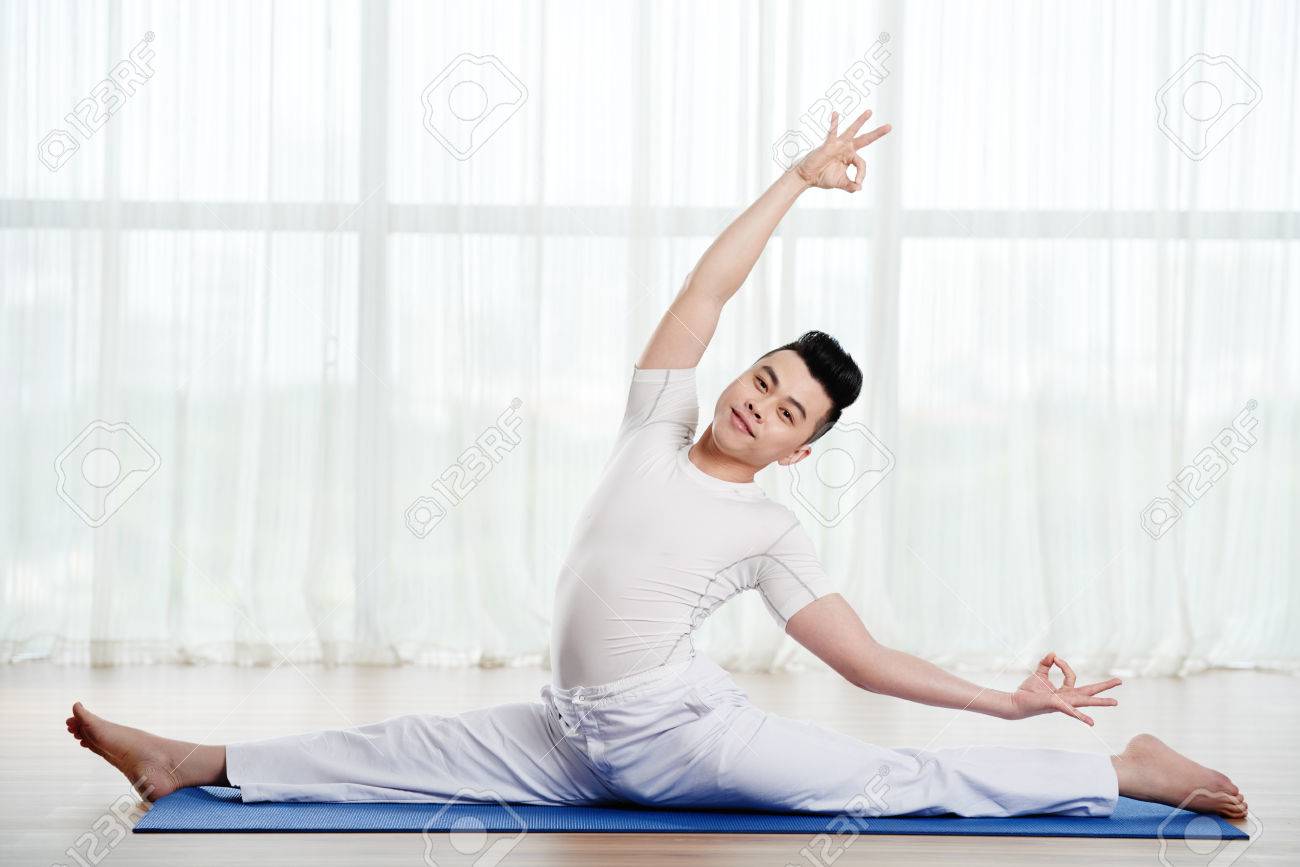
x=832, y=630
x=686, y=329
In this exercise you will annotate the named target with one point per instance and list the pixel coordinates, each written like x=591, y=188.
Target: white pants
x=675, y=736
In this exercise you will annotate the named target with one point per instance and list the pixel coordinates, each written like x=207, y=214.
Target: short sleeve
x=789, y=574
x=661, y=403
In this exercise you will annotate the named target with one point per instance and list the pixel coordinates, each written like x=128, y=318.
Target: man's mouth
x=740, y=423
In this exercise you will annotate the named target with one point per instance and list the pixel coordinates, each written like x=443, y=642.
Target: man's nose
x=758, y=416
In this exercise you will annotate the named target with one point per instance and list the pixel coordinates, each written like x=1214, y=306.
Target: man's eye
x=787, y=414
x=761, y=384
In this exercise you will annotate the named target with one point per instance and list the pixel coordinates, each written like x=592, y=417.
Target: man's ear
x=795, y=456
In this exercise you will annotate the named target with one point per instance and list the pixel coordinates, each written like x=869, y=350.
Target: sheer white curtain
x=309, y=310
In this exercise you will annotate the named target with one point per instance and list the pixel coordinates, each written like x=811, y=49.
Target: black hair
x=831, y=366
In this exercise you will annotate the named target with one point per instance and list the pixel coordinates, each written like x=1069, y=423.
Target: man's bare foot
x=154, y=765
x=1151, y=770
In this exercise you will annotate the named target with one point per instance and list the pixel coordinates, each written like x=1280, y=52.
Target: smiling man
x=675, y=528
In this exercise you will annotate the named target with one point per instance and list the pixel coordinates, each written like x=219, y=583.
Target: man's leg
x=742, y=757
x=737, y=755
x=513, y=752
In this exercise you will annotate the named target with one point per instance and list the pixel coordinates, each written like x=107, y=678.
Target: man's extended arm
x=687, y=327
x=832, y=630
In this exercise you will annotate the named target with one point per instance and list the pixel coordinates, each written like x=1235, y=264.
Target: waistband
x=661, y=678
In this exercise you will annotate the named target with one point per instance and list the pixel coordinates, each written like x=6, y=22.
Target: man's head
x=785, y=401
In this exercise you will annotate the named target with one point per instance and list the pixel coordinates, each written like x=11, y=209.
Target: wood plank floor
x=1243, y=723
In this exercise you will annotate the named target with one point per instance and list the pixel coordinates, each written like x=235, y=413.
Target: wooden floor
x=1243, y=723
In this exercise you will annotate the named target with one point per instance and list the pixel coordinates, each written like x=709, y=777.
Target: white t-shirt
x=661, y=544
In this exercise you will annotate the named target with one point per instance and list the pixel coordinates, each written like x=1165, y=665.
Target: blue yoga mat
x=220, y=809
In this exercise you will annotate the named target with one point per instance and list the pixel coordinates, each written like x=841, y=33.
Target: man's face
x=770, y=411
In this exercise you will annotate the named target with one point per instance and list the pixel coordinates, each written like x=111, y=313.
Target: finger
x=868, y=137
x=1065, y=708
x=1044, y=671
x=1079, y=698
x=1100, y=686
x=1067, y=671
x=859, y=170
x=857, y=124
x=834, y=127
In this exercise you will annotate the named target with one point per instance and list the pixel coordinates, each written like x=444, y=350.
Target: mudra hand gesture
x=828, y=165
x=1038, y=695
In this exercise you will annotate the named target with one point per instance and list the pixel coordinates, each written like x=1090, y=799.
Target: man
x=675, y=528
